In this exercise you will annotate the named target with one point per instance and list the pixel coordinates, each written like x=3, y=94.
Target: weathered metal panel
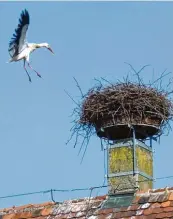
x=121, y=173
x=144, y=160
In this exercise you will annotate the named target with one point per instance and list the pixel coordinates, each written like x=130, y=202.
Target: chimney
x=129, y=160
x=130, y=166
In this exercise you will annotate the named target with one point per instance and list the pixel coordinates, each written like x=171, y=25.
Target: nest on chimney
x=123, y=103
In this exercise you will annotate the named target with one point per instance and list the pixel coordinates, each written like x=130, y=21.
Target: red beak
x=50, y=50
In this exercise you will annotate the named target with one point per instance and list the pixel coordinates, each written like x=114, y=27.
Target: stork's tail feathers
x=10, y=60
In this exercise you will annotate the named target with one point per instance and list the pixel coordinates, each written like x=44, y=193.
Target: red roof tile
x=150, y=205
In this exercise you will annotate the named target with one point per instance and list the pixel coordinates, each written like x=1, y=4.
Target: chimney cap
x=123, y=131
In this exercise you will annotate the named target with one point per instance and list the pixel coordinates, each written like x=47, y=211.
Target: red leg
x=34, y=70
x=27, y=71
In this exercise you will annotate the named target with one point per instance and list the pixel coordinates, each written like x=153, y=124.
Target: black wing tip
x=24, y=16
x=25, y=12
x=23, y=20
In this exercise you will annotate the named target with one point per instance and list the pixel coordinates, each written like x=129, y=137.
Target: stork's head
x=46, y=45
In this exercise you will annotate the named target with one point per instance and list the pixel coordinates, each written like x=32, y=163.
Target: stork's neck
x=40, y=45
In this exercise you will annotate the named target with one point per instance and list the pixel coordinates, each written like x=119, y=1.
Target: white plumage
x=18, y=47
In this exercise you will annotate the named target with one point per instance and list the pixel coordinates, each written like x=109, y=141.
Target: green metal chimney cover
x=118, y=201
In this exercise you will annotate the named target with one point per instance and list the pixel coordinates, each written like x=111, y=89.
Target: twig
x=78, y=87
x=72, y=98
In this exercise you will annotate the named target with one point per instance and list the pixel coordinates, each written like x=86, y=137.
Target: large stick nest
x=125, y=103
x=122, y=103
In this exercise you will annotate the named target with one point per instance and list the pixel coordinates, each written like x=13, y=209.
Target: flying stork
x=18, y=47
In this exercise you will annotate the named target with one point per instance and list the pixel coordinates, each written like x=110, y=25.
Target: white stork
x=18, y=47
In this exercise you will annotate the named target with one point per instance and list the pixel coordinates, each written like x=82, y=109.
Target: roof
x=148, y=205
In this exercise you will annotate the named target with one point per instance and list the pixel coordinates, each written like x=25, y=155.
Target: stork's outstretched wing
x=18, y=40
